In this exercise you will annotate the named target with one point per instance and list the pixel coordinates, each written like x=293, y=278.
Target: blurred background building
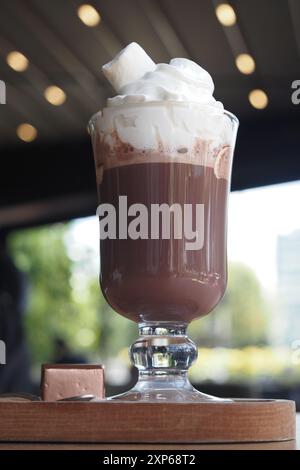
x=288, y=262
x=50, y=59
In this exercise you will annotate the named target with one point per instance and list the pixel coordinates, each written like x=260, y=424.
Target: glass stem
x=163, y=353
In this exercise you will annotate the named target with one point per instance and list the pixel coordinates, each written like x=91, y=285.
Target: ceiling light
x=245, y=63
x=258, y=99
x=55, y=95
x=26, y=132
x=89, y=15
x=226, y=14
x=17, y=61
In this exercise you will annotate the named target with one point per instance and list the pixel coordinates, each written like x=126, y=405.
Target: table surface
x=288, y=445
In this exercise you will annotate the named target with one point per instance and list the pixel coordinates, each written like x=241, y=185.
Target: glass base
x=165, y=388
x=162, y=354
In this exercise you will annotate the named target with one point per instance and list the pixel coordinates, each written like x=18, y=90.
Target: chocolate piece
x=68, y=380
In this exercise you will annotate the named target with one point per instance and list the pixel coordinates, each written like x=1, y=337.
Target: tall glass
x=163, y=176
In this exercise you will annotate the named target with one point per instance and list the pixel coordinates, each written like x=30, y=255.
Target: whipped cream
x=181, y=80
x=165, y=109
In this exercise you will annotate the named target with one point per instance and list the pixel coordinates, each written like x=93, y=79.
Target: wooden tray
x=116, y=422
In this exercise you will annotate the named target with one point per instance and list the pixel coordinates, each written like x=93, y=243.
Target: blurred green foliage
x=250, y=364
x=65, y=302
x=60, y=308
x=241, y=318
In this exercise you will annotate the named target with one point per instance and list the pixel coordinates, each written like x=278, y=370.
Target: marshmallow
x=164, y=108
x=131, y=64
x=181, y=80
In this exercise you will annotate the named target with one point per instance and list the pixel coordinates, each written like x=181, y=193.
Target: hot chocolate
x=164, y=140
x=159, y=279
x=163, y=149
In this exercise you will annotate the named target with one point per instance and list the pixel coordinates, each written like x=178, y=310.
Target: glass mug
x=163, y=225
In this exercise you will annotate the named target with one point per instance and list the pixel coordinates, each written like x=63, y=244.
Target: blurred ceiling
x=52, y=178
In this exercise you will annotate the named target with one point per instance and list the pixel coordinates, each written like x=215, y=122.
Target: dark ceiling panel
x=43, y=42
x=63, y=51
x=24, y=35
x=91, y=51
x=294, y=6
x=129, y=22
x=201, y=34
x=268, y=30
